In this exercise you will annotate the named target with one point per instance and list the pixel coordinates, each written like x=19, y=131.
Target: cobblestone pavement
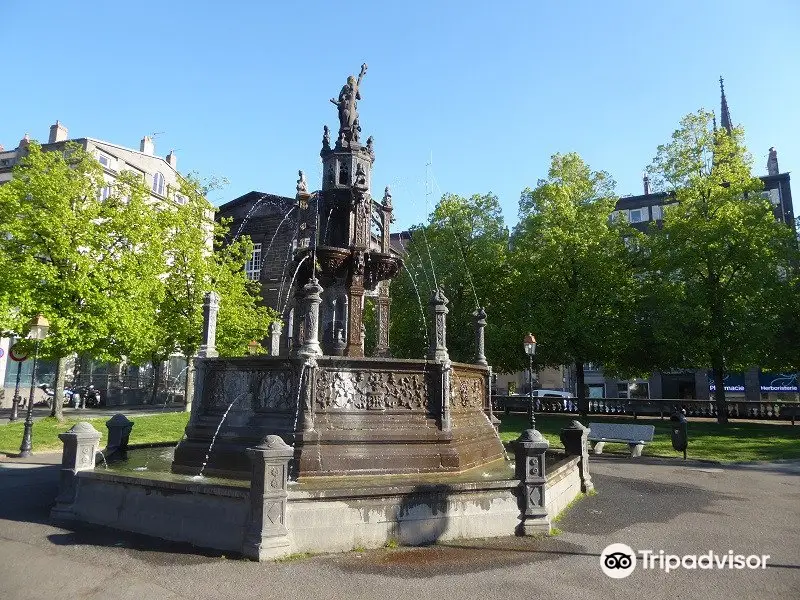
x=681, y=508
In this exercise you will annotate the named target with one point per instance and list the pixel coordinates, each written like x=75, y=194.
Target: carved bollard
x=80, y=447
x=119, y=432
x=479, y=322
x=208, y=348
x=576, y=443
x=275, y=330
x=529, y=451
x=311, y=293
x=266, y=536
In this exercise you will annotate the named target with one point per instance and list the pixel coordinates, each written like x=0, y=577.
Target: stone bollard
x=275, y=330
x=529, y=451
x=576, y=443
x=266, y=536
x=119, y=432
x=80, y=447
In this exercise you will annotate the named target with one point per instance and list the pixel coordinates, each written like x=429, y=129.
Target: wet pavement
x=681, y=508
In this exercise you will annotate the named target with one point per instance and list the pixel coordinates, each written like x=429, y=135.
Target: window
x=104, y=160
x=657, y=214
x=253, y=266
x=180, y=198
x=638, y=215
x=158, y=184
x=104, y=192
x=639, y=389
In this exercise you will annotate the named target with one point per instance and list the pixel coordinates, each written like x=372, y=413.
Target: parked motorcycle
x=50, y=392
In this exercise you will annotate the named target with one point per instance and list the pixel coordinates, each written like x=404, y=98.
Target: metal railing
x=736, y=409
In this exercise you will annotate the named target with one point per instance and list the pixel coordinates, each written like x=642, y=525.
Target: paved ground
x=688, y=508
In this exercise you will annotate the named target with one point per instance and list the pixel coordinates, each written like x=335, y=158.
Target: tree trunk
x=189, y=387
x=58, y=394
x=719, y=393
x=583, y=402
x=157, y=367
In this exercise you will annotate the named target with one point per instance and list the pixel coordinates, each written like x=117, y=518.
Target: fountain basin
x=323, y=514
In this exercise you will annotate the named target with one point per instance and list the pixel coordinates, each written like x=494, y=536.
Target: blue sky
x=487, y=90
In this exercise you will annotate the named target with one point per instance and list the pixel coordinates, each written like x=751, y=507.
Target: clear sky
x=487, y=90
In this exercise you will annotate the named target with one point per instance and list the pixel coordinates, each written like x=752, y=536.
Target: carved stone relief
x=375, y=390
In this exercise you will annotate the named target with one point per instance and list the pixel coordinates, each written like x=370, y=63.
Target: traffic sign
x=17, y=354
x=2, y=353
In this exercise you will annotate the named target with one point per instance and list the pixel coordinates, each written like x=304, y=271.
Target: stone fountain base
x=324, y=515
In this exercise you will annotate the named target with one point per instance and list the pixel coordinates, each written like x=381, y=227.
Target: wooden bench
x=636, y=436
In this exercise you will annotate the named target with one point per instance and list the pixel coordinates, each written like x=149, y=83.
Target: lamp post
x=15, y=400
x=530, y=349
x=38, y=328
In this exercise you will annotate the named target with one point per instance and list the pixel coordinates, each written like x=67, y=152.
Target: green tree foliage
x=463, y=249
x=719, y=261
x=79, y=261
x=573, y=281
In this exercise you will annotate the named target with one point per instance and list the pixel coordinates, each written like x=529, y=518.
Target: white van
x=567, y=401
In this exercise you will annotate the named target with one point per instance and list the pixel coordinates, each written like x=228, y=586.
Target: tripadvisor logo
x=619, y=560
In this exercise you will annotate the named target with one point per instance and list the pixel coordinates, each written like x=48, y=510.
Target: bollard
x=529, y=451
x=266, y=535
x=576, y=443
x=80, y=447
x=119, y=432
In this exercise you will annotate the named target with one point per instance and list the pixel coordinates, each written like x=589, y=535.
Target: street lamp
x=530, y=349
x=38, y=328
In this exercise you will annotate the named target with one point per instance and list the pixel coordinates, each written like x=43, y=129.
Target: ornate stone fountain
x=409, y=443
x=342, y=412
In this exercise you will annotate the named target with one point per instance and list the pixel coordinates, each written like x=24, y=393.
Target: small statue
x=302, y=185
x=326, y=138
x=361, y=178
x=349, y=127
x=387, y=198
x=371, y=145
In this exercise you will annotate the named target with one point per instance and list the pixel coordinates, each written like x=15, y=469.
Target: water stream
x=291, y=283
x=216, y=433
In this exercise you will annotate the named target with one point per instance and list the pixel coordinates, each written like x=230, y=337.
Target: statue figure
x=302, y=186
x=326, y=138
x=371, y=145
x=360, y=183
x=387, y=198
x=349, y=127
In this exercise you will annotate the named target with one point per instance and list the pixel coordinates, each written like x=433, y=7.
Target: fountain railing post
x=266, y=535
x=479, y=320
x=529, y=450
x=275, y=330
x=297, y=321
x=438, y=353
x=80, y=448
x=208, y=348
x=383, y=304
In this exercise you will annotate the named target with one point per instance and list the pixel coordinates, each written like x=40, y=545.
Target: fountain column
x=382, y=305
x=438, y=353
x=311, y=347
x=479, y=320
x=210, y=309
x=275, y=330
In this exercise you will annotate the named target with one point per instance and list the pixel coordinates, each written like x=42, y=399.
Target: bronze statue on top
x=349, y=127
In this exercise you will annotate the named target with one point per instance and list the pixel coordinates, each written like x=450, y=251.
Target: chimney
x=23, y=143
x=646, y=182
x=172, y=160
x=146, y=146
x=772, y=162
x=58, y=133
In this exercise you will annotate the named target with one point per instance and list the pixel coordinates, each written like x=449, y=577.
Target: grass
x=167, y=427
x=735, y=442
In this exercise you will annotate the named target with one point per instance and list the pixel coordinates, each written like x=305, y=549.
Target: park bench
x=636, y=436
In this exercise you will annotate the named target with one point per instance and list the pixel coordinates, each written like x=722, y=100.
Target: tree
x=573, y=282
x=462, y=249
x=719, y=258
x=199, y=260
x=77, y=260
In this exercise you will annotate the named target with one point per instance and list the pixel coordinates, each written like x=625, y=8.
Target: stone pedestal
x=208, y=348
x=529, y=453
x=119, y=432
x=267, y=537
x=576, y=443
x=311, y=293
x=80, y=447
x=275, y=330
x=479, y=320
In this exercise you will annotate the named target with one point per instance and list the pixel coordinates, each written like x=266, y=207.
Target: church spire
x=725, y=114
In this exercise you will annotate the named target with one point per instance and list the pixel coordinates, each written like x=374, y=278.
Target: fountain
x=375, y=448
